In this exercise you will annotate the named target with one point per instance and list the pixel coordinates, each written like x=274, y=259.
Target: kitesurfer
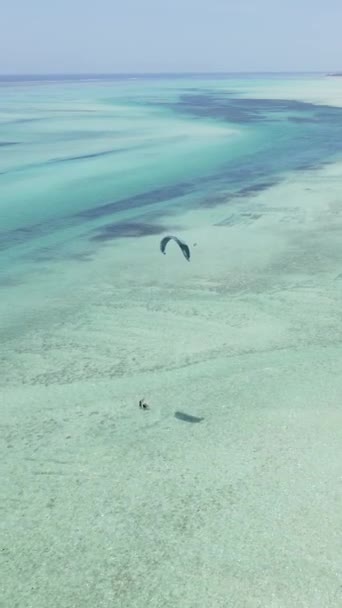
x=143, y=405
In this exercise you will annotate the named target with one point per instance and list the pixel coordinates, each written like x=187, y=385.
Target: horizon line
x=162, y=73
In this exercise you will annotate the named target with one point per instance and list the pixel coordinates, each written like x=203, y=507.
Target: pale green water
x=107, y=505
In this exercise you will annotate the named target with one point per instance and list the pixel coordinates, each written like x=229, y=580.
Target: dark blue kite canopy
x=183, y=246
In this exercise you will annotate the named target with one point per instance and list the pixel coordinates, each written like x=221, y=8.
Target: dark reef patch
x=126, y=230
x=139, y=200
x=20, y=235
x=302, y=119
x=85, y=156
x=256, y=188
x=5, y=144
x=243, y=110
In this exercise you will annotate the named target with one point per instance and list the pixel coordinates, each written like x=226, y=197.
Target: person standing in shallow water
x=143, y=405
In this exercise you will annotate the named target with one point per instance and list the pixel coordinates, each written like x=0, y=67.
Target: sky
x=120, y=36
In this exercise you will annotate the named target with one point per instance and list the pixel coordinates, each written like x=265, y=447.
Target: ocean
x=108, y=505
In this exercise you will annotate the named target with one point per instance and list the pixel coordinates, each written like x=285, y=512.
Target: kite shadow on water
x=187, y=417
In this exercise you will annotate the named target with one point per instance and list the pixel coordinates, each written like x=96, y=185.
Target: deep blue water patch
x=233, y=109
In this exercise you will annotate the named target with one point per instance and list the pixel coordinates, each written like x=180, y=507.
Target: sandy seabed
x=107, y=505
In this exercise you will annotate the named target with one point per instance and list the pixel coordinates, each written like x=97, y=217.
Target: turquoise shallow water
x=80, y=157
x=104, y=504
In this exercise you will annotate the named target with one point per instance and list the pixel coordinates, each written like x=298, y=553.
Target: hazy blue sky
x=38, y=36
